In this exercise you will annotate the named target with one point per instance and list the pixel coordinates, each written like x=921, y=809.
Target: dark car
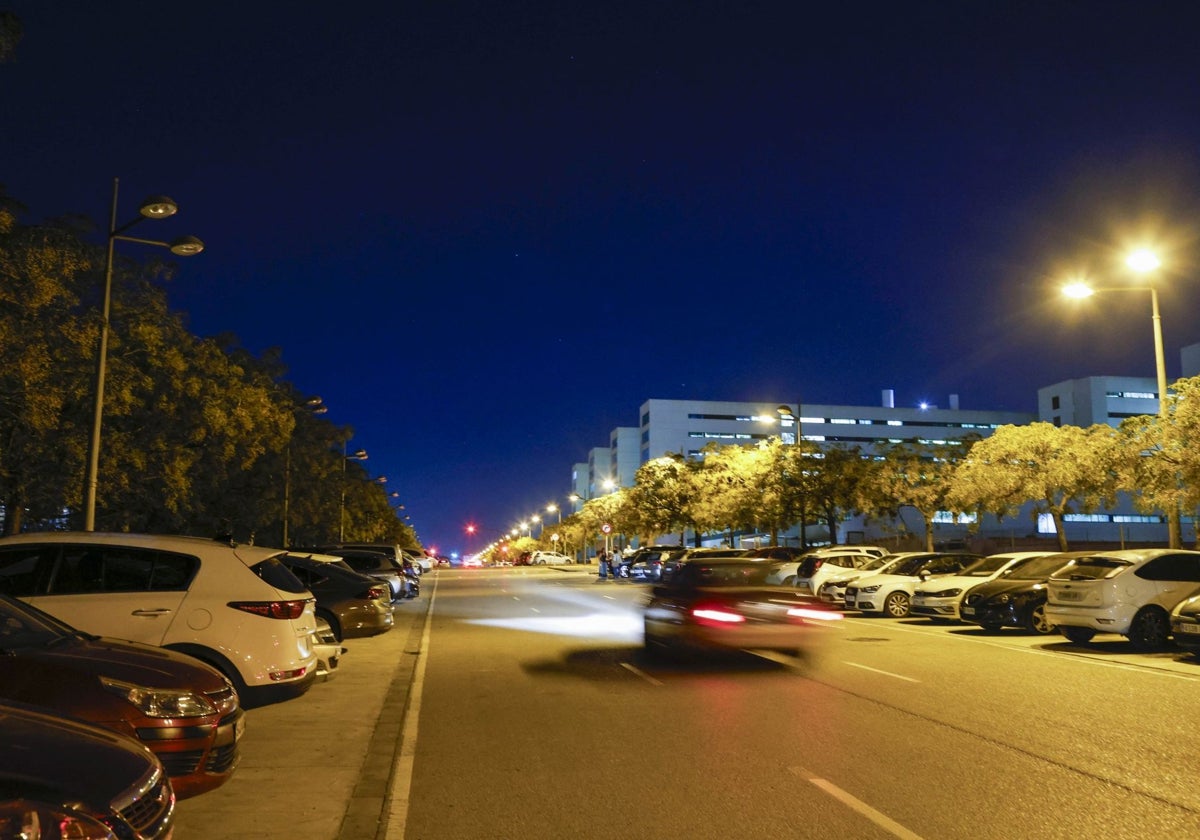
x=646, y=564
x=724, y=603
x=182, y=709
x=376, y=564
x=353, y=604
x=1015, y=599
x=671, y=564
x=61, y=778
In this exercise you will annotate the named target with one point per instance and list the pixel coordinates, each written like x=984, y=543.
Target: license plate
x=1068, y=595
x=1193, y=629
x=968, y=611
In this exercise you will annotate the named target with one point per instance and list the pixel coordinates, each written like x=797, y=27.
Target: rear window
x=25, y=570
x=1092, y=568
x=278, y=575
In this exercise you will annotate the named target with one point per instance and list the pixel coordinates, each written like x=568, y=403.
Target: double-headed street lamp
x=360, y=455
x=154, y=207
x=1143, y=262
x=312, y=406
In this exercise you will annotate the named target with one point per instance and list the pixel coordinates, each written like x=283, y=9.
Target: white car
x=833, y=590
x=548, y=558
x=819, y=566
x=939, y=598
x=1131, y=592
x=891, y=593
x=788, y=572
x=235, y=607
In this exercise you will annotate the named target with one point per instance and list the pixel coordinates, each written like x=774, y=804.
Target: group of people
x=610, y=564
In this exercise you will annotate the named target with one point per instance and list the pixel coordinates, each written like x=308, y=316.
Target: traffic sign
x=606, y=528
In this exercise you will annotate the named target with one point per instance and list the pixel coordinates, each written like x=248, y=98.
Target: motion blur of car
x=1017, y=598
x=186, y=712
x=646, y=564
x=672, y=563
x=716, y=603
x=233, y=606
x=833, y=589
x=939, y=598
x=818, y=566
x=890, y=593
x=472, y=561
x=1130, y=592
x=63, y=779
x=352, y=604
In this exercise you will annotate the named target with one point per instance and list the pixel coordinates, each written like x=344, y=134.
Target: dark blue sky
x=486, y=232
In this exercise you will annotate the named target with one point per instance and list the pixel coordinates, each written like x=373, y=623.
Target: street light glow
x=1078, y=289
x=1143, y=260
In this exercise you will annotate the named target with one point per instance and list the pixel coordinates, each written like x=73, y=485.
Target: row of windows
x=838, y=421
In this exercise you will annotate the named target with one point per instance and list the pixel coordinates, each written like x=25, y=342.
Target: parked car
x=939, y=598
x=377, y=564
x=1185, y=624
x=673, y=562
x=1017, y=598
x=63, y=778
x=646, y=564
x=548, y=558
x=1131, y=592
x=329, y=651
x=393, y=550
x=420, y=559
x=723, y=603
x=890, y=593
x=352, y=604
x=235, y=607
x=833, y=590
x=186, y=712
x=818, y=566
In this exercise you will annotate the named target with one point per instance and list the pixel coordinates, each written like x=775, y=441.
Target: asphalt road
x=515, y=703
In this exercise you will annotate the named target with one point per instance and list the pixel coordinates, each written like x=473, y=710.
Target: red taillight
x=271, y=609
x=377, y=593
x=817, y=563
x=718, y=615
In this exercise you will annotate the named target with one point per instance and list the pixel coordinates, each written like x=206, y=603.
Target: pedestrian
x=602, y=562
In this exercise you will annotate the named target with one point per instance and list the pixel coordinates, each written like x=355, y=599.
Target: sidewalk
x=318, y=767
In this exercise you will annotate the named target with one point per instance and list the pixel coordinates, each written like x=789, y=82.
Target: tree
x=1059, y=469
x=916, y=475
x=664, y=494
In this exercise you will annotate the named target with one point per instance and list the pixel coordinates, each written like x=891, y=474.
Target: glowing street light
x=154, y=207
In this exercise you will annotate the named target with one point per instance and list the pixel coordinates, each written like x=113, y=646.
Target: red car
x=186, y=712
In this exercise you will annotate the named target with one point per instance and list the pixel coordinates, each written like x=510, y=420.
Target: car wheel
x=1078, y=635
x=333, y=623
x=1035, y=620
x=1150, y=629
x=790, y=580
x=896, y=605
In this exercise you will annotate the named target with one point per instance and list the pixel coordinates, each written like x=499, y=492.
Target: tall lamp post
x=1144, y=262
x=360, y=455
x=154, y=207
x=312, y=406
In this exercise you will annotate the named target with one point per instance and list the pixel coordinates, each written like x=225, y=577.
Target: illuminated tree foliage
x=913, y=475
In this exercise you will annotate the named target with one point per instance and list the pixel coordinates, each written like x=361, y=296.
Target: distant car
x=548, y=558
x=233, y=606
x=646, y=564
x=186, y=712
x=420, y=559
x=890, y=593
x=938, y=599
x=393, y=550
x=1017, y=598
x=1130, y=592
x=472, y=561
x=63, y=778
x=819, y=566
x=352, y=604
x=377, y=564
x=716, y=603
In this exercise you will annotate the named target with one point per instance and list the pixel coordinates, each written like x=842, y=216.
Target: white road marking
x=877, y=671
x=882, y=820
x=639, y=672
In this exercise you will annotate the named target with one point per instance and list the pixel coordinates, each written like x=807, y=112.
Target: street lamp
x=312, y=406
x=1143, y=262
x=360, y=455
x=154, y=207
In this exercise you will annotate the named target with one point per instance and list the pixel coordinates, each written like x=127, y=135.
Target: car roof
x=250, y=554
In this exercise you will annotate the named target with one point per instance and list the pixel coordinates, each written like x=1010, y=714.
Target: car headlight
x=1003, y=598
x=946, y=593
x=30, y=820
x=869, y=589
x=160, y=702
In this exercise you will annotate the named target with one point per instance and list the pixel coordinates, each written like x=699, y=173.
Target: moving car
x=939, y=599
x=186, y=712
x=890, y=593
x=352, y=604
x=1130, y=591
x=235, y=607
x=62, y=778
x=716, y=603
x=673, y=562
x=1017, y=598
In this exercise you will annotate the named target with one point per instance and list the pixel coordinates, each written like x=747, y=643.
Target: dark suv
x=646, y=563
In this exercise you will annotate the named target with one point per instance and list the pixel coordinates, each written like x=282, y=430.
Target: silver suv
x=235, y=607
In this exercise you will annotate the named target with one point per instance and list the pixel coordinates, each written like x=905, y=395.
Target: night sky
x=486, y=232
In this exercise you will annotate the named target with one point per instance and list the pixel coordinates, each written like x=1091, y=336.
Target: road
x=518, y=705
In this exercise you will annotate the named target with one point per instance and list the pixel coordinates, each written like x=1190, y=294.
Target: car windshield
x=880, y=564
x=724, y=574
x=910, y=565
x=1092, y=568
x=1039, y=568
x=987, y=566
x=23, y=626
